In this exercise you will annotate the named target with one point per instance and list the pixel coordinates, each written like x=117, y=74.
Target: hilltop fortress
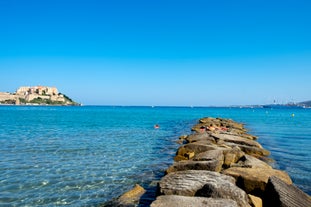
x=35, y=95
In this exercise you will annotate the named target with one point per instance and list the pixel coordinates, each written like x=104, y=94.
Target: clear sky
x=159, y=52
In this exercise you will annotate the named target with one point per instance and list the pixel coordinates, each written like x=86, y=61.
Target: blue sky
x=156, y=52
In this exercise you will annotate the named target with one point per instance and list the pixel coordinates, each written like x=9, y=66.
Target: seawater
x=86, y=156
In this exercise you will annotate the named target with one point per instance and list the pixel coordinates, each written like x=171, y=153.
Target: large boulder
x=203, y=184
x=252, y=162
x=185, y=201
x=211, y=165
x=132, y=196
x=207, y=121
x=196, y=148
x=128, y=199
x=280, y=193
x=209, y=155
x=231, y=156
x=236, y=139
x=254, y=151
x=256, y=201
x=239, y=133
x=200, y=137
x=254, y=180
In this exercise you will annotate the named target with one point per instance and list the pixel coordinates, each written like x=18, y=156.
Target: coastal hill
x=305, y=103
x=36, y=95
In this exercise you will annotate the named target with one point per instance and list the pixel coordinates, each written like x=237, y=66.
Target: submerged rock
x=129, y=199
x=185, y=201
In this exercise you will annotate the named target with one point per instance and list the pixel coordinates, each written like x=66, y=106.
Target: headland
x=36, y=95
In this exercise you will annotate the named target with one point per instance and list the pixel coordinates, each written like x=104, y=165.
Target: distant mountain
x=305, y=103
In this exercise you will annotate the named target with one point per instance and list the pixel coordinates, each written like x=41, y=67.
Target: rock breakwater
x=220, y=164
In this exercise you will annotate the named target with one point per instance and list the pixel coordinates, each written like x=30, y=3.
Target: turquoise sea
x=86, y=156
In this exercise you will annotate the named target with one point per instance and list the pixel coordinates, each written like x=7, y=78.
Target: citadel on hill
x=36, y=95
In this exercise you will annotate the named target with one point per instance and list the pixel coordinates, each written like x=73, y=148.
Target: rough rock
x=236, y=139
x=185, y=201
x=189, y=155
x=222, y=145
x=254, y=151
x=203, y=184
x=280, y=193
x=201, y=137
x=222, y=122
x=256, y=201
x=196, y=147
x=239, y=133
x=132, y=196
x=210, y=155
x=183, y=137
x=254, y=180
x=231, y=156
x=250, y=162
x=249, y=136
x=211, y=165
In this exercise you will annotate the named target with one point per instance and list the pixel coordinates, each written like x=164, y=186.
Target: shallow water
x=85, y=156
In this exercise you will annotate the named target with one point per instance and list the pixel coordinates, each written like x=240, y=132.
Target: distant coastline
x=36, y=96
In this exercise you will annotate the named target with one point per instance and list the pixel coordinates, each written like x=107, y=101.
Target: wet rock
x=185, y=201
x=203, y=184
x=131, y=197
x=280, y=193
x=254, y=180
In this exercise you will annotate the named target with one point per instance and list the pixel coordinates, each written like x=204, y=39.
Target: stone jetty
x=220, y=164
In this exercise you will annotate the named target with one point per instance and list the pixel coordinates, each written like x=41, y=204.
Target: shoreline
x=220, y=164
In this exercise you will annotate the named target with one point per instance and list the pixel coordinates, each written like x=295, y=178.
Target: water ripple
x=85, y=156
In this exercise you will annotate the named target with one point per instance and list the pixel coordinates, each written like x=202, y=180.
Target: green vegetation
x=33, y=98
x=67, y=99
x=22, y=101
x=46, y=101
x=8, y=101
